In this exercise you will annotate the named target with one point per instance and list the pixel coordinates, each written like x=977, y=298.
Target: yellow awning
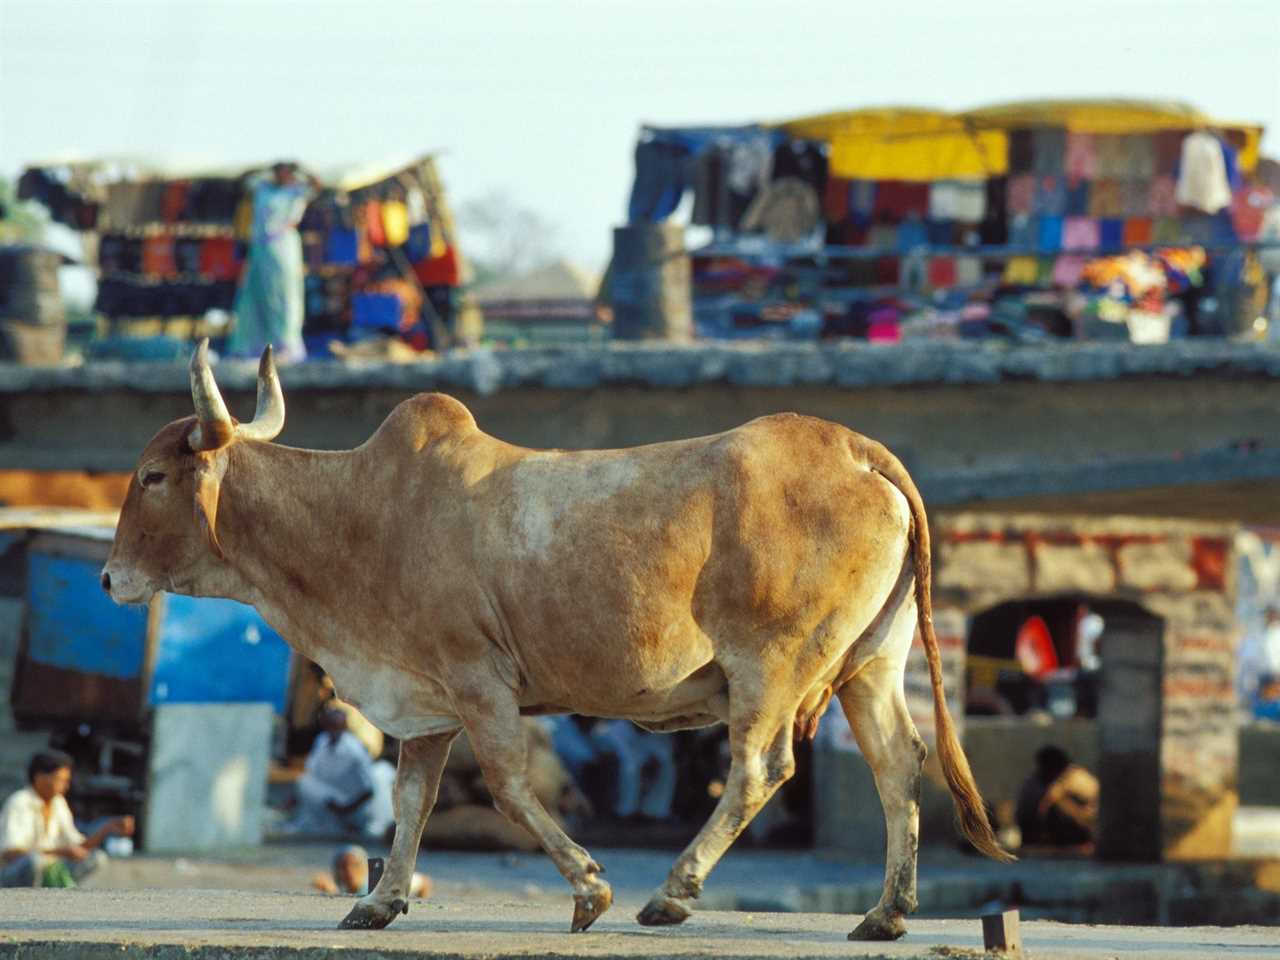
x=920, y=143
x=905, y=143
x=1114, y=116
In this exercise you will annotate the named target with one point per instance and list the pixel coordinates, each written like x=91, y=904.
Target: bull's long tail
x=955, y=765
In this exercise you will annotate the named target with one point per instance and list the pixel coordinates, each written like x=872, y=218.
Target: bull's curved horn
x=268, y=418
x=214, y=427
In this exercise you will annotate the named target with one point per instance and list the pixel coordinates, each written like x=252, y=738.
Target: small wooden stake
x=1000, y=933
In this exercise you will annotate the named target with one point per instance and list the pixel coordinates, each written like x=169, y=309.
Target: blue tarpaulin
x=73, y=624
x=218, y=651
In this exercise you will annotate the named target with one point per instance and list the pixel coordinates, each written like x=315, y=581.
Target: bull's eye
x=151, y=478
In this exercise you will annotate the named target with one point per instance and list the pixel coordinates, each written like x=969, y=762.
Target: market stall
x=379, y=244
x=898, y=222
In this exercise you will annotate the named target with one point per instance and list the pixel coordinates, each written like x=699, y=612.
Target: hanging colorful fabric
x=1111, y=234
x=439, y=271
x=1049, y=236
x=218, y=258
x=395, y=223
x=1020, y=272
x=1080, y=233
x=342, y=246
x=157, y=256
x=174, y=204
x=1137, y=231
x=376, y=311
x=1067, y=271
x=242, y=221
x=373, y=227
x=1082, y=156
x=942, y=272
x=835, y=199
x=418, y=245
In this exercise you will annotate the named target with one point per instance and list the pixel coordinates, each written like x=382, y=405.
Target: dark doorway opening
x=1069, y=679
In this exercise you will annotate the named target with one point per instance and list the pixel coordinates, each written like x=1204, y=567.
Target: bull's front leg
x=491, y=717
x=417, y=783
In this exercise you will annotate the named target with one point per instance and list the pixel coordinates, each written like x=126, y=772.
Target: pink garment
x=1082, y=156
x=1081, y=233
x=1163, y=201
x=884, y=331
x=1068, y=270
x=1021, y=193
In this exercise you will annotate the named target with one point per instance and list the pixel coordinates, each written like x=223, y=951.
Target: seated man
x=39, y=842
x=350, y=876
x=1058, y=804
x=336, y=784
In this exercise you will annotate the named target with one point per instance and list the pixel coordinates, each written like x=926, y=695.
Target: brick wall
x=1181, y=572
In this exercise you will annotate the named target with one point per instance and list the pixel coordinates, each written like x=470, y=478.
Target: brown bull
x=447, y=581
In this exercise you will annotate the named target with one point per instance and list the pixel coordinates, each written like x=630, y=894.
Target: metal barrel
x=650, y=283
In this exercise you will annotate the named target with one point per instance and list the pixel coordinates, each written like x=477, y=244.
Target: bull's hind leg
x=876, y=709
x=417, y=783
x=497, y=735
x=762, y=760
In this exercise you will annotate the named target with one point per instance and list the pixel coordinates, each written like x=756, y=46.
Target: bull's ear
x=208, y=483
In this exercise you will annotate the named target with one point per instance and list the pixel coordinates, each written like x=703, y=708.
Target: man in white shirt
x=38, y=835
x=336, y=784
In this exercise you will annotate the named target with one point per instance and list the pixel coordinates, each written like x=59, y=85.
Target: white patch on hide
x=549, y=485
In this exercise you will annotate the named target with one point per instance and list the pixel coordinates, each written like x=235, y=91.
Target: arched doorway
x=1079, y=673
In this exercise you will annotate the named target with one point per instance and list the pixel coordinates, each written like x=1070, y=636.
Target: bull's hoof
x=586, y=909
x=365, y=916
x=879, y=926
x=663, y=911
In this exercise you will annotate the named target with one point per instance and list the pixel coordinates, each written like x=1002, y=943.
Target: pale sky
x=542, y=99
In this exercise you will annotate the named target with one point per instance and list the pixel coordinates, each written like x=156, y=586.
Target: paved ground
x=289, y=866
x=201, y=925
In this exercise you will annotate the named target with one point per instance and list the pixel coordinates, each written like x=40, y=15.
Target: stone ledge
x=673, y=366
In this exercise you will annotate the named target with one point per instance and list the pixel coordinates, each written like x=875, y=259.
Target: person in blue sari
x=269, y=303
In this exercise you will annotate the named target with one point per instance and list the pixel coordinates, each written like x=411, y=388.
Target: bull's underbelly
x=408, y=706
x=402, y=705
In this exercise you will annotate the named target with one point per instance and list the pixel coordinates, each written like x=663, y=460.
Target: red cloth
x=175, y=200
x=218, y=259
x=157, y=256
x=835, y=199
x=896, y=200
x=942, y=272
x=373, y=227
x=441, y=271
x=1137, y=232
x=1248, y=204
x=1034, y=648
x=887, y=271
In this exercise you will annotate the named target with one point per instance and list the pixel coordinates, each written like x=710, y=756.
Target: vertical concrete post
x=1130, y=710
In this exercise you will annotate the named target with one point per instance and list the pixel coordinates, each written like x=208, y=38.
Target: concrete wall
x=973, y=422
x=207, y=776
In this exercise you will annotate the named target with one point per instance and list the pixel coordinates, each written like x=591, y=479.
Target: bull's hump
x=428, y=417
